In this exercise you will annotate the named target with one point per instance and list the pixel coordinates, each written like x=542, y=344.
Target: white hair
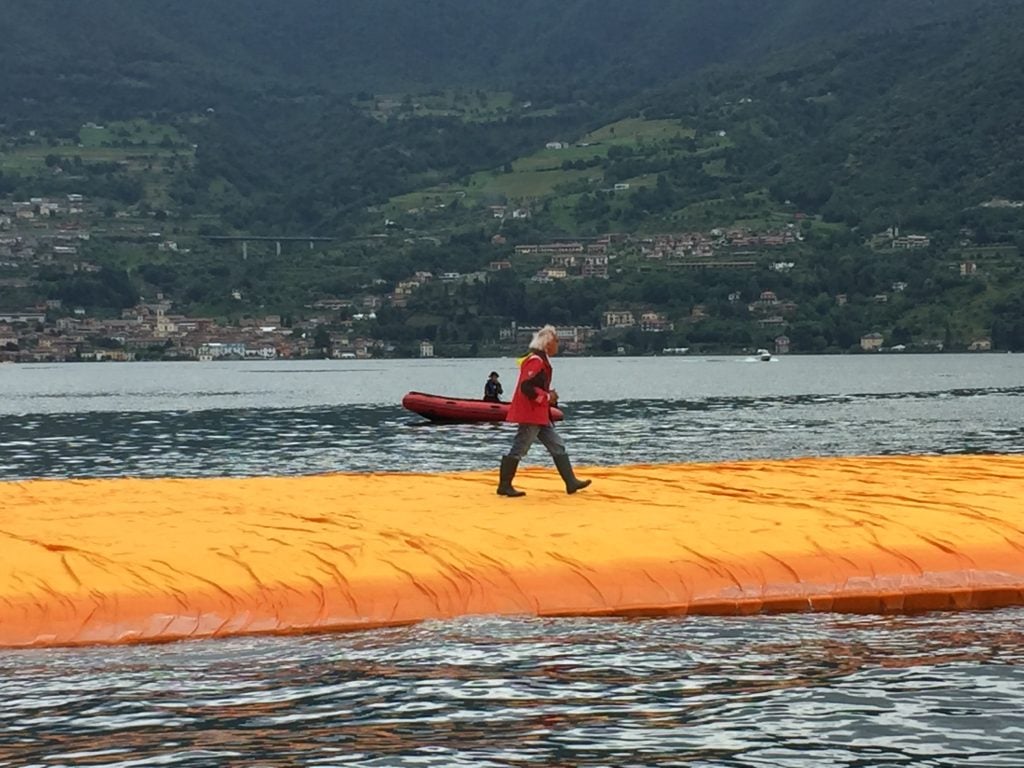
x=543, y=337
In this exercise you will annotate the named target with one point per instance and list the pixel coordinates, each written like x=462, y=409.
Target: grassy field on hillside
x=634, y=130
x=151, y=152
x=552, y=159
x=464, y=104
x=489, y=188
x=131, y=132
x=540, y=174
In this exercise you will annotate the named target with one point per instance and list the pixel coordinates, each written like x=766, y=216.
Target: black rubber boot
x=509, y=465
x=572, y=483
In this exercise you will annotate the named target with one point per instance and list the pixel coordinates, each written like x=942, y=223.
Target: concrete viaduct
x=277, y=240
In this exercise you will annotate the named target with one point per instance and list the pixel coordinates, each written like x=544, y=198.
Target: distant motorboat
x=764, y=355
x=675, y=350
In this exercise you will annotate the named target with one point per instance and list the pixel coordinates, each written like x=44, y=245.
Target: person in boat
x=531, y=405
x=492, y=388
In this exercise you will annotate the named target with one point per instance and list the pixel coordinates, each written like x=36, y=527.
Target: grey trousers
x=528, y=433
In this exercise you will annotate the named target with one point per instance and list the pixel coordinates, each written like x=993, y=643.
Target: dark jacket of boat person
x=532, y=401
x=492, y=388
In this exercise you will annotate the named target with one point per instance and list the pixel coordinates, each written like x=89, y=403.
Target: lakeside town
x=44, y=233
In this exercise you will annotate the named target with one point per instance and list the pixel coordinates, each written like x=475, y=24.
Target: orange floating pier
x=136, y=560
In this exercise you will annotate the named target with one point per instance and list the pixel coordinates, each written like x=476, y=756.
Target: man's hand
x=553, y=397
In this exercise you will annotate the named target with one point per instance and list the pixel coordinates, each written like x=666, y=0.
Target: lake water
x=311, y=417
x=799, y=690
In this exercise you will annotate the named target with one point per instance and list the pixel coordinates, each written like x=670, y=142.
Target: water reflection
x=937, y=690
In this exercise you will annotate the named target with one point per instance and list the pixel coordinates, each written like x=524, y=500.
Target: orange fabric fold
x=130, y=560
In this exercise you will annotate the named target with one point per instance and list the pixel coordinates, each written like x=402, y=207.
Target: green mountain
x=920, y=79
x=319, y=118
x=138, y=49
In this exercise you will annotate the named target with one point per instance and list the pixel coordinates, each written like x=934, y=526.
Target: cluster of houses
x=715, y=249
x=704, y=245
x=18, y=249
x=35, y=232
x=894, y=239
x=40, y=208
x=150, y=330
x=718, y=248
x=40, y=231
x=721, y=249
x=568, y=259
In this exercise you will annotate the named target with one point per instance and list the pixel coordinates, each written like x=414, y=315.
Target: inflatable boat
x=441, y=408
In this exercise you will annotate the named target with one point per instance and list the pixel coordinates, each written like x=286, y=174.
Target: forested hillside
x=147, y=52
x=394, y=130
x=854, y=105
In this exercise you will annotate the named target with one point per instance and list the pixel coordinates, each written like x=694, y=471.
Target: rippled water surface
x=943, y=690
x=302, y=418
x=934, y=690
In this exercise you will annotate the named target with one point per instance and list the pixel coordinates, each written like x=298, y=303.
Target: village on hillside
x=55, y=234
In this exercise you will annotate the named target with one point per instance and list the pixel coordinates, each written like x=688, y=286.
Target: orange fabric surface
x=123, y=560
